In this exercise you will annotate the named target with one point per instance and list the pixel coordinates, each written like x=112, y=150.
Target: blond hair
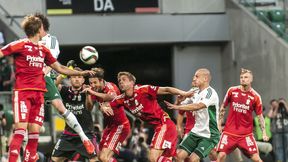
x=129, y=75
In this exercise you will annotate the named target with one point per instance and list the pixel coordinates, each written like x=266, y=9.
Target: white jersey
x=189, y=100
x=206, y=119
x=51, y=43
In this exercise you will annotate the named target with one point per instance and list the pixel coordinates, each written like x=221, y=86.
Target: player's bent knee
x=103, y=157
x=153, y=158
x=181, y=155
x=222, y=155
x=58, y=104
x=213, y=155
x=194, y=158
x=256, y=158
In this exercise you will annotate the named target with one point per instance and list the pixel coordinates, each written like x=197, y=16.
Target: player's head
x=32, y=26
x=274, y=103
x=97, y=81
x=246, y=77
x=44, y=20
x=126, y=80
x=202, y=77
x=77, y=81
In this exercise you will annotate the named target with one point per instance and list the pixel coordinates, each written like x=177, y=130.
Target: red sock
x=30, y=154
x=14, y=148
x=163, y=159
x=112, y=160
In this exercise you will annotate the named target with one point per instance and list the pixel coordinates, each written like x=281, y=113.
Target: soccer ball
x=89, y=55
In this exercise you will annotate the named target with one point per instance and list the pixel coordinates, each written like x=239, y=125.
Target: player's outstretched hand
x=180, y=98
x=88, y=73
x=106, y=109
x=87, y=89
x=170, y=106
x=187, y=94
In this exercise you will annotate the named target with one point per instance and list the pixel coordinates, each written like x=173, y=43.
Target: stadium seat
x=263, y=16
x=277, y=15
x=279, y=28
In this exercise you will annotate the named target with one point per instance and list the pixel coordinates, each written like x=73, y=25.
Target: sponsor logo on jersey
x=75, y=109
x=242, y=108
x=166, y=144
x=35, y=61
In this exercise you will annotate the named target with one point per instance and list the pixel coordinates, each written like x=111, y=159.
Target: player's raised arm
x=190, y=107
x=174, y=91
x=103, y=96
x=65, y=70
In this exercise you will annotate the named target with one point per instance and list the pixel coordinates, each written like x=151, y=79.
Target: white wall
x=192, y=6
x=258, y=48
x=23, y=7
x=187, y=59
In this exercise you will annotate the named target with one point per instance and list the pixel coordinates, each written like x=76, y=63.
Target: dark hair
x=31, y=25
x=44, y=20
x=273, y=100
x=99, y=73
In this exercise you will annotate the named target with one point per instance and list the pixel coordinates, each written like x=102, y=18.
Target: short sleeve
x=227, y=97
x=54, y=47
x=13, y=47
x=208, y=98
x=152, y=90
x=258, y=105
x=49, y=59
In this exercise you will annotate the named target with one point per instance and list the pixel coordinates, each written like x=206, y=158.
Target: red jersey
x=143, y=104
x=119, y=116
x=190, y=120
x=29, y=62
x=242, y=104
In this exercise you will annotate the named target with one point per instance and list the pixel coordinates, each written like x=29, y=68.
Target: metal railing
x=262, y=8
x=9, y=16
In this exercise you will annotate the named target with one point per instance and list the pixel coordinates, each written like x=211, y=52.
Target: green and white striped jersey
x=52, y=44
x=206, y=119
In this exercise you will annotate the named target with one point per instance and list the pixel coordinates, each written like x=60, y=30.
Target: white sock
x=72, y=121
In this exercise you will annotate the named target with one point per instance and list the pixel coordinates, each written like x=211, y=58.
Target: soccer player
x=28, y=93
x=238, y=130
x=205, y=134
x=142, y=102
x=190, y=118
x=80, y=105
x=117, y=124
x=52, y=94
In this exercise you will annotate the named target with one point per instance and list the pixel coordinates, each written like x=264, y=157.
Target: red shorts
x=165, y=138
x=229, y=142
x=28, y=107
x=113, y=137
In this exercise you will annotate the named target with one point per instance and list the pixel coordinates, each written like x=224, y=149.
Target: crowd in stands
x=7, y=73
